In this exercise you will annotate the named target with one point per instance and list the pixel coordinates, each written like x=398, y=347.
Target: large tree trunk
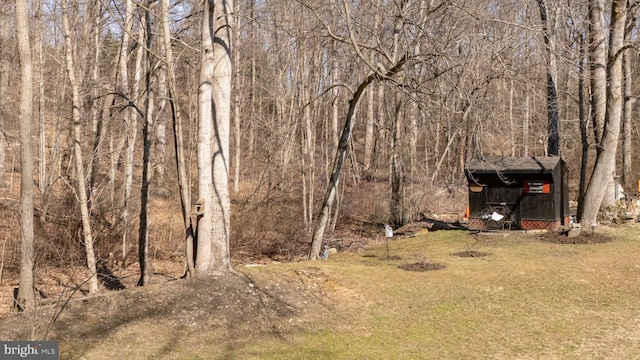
x=214, y=103
x=77, y=141
x=604, y=169
x=598, y=79
x=221, y=97
x=25, y=296
x=205, y=135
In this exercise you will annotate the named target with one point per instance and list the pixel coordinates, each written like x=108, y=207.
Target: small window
x=537, y=187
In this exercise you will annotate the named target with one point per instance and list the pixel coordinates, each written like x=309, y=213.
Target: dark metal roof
x=537, y=165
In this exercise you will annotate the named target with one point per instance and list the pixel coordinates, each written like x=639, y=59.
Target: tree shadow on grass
x=435, y=225
x=229, y=305
x=107, y=278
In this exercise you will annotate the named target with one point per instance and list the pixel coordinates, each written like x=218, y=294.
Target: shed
x=531, y=193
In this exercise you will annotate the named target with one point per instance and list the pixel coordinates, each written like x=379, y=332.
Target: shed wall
x=546, y=209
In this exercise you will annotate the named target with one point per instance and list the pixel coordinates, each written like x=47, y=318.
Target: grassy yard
x=527, y=299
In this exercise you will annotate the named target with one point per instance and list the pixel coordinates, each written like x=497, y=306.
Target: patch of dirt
x=234, y=305
x=391, y=258
x=425, y=224
x=420, y=266
x=471, y=253
x=583, y=238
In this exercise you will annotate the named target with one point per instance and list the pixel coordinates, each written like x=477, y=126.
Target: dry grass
x=526, y=299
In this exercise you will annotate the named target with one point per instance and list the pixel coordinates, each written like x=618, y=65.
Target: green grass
x=527, y=299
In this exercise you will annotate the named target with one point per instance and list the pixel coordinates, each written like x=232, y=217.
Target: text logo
x=32, y=350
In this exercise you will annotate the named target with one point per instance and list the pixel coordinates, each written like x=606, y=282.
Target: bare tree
x=627, y=123
x=78, y=157
x=330, y=195
x=598, y=82
x=147, y=137
x=548, y=32
x=397, y=205
x=25, y=297
x=584, y=127
x=5, y=64
x=160, y=133
x=130, y=93
x=478, y=81
x=604, y=169
x=183, y=182
x=214, y=104
x=629, y=99
x=238, y=103
x=38, y=30
x=370, y=123
x=392, y=47
x=308, y=143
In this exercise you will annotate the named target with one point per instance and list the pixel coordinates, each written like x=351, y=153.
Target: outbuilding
x=530, y=193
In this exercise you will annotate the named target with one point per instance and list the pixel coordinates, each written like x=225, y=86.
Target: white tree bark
x=214, y=103
x=237, y=120
x=183, y=181
x=627, y=124
x=308, y=154
x=368, y=132
x=130, y=126
x=39, y=57
x=77, y=141
x=25, y=298
x=604, y=170
x=160, y=146
x=5, y=65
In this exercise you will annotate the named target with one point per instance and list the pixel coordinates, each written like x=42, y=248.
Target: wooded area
x=268, y=125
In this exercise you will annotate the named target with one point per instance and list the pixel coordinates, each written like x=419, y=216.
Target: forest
x=219, y=132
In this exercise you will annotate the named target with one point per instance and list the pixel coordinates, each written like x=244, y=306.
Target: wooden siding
x=507, y=189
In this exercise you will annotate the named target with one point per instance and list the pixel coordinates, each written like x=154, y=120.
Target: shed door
x=506, y=196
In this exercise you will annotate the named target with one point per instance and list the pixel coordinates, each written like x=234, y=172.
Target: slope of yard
x=502, y=297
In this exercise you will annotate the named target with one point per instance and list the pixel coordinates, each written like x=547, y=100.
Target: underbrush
x=267, y=224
